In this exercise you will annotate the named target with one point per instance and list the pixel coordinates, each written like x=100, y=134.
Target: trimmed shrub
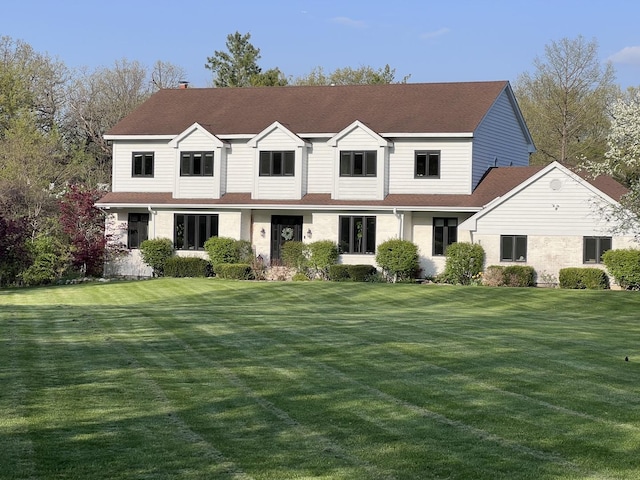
x=361, y=273
x=155, y=253
x=300, y=277
x=398, y=259
x=222, y=250
x=493, y=276
x=581, y=278
x=187, y=267
x=321, y=255
x=518, y=276
x=233, y=271
x=624, y=267
x=464, y=262
x=294, y=255
x=338, y=273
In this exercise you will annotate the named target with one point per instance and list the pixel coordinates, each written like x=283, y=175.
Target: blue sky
x=433, y=41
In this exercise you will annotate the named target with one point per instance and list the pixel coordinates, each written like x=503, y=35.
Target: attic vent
x=555, y=184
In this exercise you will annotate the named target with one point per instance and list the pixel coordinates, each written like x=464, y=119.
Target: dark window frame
x=277, y=163
x=197, y=167
x=357, y=240
x=517, y=244
x=137, y=229
x=593, y=248
x=424, y=167
x=444, y=234
x=194, y=230
x=141, y=163
x=359, y=163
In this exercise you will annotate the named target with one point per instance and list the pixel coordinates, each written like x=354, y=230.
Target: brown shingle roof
x=497, y=182
x=395, y=108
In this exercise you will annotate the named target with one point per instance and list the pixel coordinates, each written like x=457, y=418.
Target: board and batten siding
x=164, y=171
x=455, y=170
x=499, y=136
x=553, y=205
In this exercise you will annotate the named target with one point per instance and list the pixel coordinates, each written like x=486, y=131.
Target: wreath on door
x=287, y=233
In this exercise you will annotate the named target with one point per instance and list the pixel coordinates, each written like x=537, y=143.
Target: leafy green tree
x=236, y=66
x=364, y=75
x=564, y=102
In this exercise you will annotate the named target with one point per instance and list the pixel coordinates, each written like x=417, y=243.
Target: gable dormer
x=360, y=163
x=279, y=160
x=200, y=163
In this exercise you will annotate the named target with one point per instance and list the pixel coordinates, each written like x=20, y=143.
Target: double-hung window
x=594, y=247
x=142, y=164
x=427, y=164
x=277, y=164
x=191, y=231
x=358, y=164
x=196, y=164
x=137, y=229
x=445, y=232
x=357, y=234
x=513, y=248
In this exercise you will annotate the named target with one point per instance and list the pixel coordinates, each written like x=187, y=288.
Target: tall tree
x=100, y=99
x=622, y=159
x=238, y=65
x=564, y=102
x=166, y=75
x=364, y=75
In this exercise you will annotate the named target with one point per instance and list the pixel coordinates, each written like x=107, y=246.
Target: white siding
x=240, y=167
x=320, y=162
x=499, y=136
x=455, y=167
x=164, y=171
x=198, y=187
x=278, y=187
x=539, y=209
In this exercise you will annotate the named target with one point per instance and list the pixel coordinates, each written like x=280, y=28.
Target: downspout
x=400, y=217
x=152, y=213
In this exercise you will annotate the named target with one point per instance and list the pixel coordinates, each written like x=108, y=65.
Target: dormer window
x=277, y=164
x=358, y=164
x=196, y=164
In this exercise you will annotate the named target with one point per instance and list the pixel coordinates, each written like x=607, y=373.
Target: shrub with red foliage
x=14, y=256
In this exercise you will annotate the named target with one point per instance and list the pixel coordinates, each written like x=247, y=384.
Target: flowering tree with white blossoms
x=622, y=160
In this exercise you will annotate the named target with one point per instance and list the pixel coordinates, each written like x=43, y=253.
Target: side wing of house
x=502, y=138
x=553, y=220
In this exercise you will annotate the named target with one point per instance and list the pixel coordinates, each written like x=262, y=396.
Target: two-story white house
x=357, y=165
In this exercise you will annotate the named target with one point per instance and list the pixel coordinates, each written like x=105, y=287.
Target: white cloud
x=628, y=55
x=349, y=22
x=434, y=34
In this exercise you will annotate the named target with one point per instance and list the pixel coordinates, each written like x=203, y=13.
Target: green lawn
x=209, y=379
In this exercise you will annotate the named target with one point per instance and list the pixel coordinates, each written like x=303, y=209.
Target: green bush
x=300, y=277
x=155, y=253
x=361, y=273
x=321, y=255
x=233, y=271
x=222, y=250
x=581, y=278
x=354, y=273
x=187, y=267
x=624, y=267
x=294, y=255
x=464, y=262
x=50, y=261
x=398, y=259
x=493, y=276
x=518, y=276
x=338, y=273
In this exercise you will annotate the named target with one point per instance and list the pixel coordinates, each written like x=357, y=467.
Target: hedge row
x=509, y=276
x=581, y=278
x=187, y=267
x=353, y=273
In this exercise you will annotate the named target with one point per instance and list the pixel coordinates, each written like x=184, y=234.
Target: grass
x=208, y=379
